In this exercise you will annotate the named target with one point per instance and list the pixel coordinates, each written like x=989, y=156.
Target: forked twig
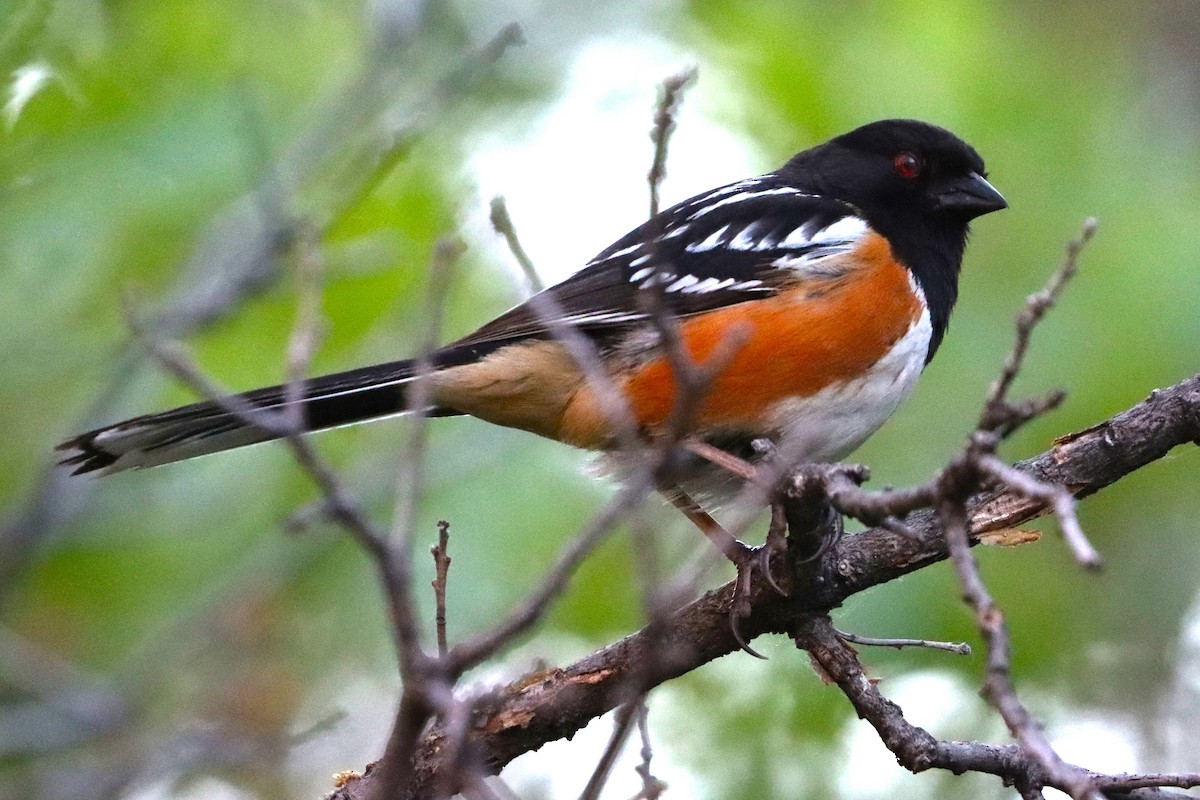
x=997, y=414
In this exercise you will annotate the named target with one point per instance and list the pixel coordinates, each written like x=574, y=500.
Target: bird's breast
x=844, y=350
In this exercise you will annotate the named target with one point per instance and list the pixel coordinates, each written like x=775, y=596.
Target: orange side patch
x=794, y=346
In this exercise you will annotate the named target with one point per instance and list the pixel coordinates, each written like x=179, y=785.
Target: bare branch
x=670, y=96
x=427, y=684
x=1056, y=497
x=998, y=688
x=307, y=330
x=652, y=787
x=958, y=648
x=556, y=703
x=483, y=645
x=237, y=255
x=613, y=402
x=622, y=725
x=997, y=414
x=918, y=751
x=410, y=475
x=441, y=563
x=393, y=561
x=502, y=223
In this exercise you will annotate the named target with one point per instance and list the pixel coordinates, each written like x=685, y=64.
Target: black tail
x=202, y=428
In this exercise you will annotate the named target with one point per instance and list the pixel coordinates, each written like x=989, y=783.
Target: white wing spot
x=639, y=260
x=708, y=244
x=739, y=197
x=796, y=239
x=733, y=187
x=846, y=229
x=658, y=279
x=747, y=239
x=601, y=316
x=745, y=285
x=709, y=285
x=683, y=283
x=641, y=273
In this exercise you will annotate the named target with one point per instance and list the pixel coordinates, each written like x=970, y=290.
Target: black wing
x=729, y=245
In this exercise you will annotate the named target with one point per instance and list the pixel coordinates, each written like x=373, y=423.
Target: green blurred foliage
x=164, y=126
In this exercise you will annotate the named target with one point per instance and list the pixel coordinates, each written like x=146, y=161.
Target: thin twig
x=652, y=787
x=998, y=687
x=1054, y=496
x=307, y=329
x=958, y=648
x=441, y=565
x=502, y=223
x=997, y=414
x=693, y=380
x=623, y=723
x=917, y=750
x=174, y=359
x=410, y=475
x=670, y=96
x=394, y=572
x=425, y=679
x=460, y=765
x=483, y=645
x=614, y=405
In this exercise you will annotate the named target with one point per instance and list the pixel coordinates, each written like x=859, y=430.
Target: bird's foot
x=750, y=562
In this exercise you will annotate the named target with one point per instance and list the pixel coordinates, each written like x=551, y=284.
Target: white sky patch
x=950, y=708
x=931, y=699
x=205, y=788
x=575, y=179
x=27, y=81
x=1181, y=703
x=561, y=768
x=1098, y=740
x=368, y=702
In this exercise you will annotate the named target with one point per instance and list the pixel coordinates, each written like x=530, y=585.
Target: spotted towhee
x=826, y=287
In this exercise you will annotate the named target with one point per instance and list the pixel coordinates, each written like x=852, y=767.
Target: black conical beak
x=970, y=197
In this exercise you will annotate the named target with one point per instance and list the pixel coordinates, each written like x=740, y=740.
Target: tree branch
x=556, y=703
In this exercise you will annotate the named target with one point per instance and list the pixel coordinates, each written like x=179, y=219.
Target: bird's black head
x=917, y=184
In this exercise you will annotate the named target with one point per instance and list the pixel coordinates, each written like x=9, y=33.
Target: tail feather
x=202, y=428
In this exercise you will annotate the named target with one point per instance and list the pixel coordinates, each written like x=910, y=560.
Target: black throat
x=933, y=251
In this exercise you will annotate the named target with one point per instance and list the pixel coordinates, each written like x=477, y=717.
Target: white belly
x=829, y=425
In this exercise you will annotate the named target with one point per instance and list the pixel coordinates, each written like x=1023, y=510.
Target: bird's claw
x=750, y=561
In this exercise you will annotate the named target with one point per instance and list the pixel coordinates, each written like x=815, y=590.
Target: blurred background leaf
x=160, y=636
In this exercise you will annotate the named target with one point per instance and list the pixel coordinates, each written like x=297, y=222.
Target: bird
x=817, y=293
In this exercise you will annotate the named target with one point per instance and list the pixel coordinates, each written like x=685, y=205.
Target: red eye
x=907, y=165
